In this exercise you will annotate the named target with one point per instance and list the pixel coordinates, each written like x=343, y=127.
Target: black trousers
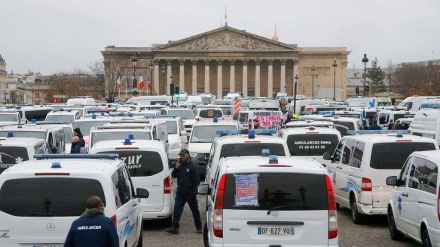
x=179, y=204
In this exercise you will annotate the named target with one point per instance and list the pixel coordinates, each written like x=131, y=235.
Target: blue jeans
x=181, y=199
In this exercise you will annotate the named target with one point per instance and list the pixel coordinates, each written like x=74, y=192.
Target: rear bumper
x=167, y=211
x=369, y=210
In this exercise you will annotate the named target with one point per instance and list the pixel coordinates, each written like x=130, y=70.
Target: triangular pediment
x=226, y=39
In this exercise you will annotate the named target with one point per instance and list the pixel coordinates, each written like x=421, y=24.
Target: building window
x=37, y=95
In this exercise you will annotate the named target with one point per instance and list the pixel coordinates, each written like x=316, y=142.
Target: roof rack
x=76, y=156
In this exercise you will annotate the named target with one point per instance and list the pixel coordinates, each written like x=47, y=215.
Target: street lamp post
x=38, y=82
x=365, y=61
x=294, y=94
x=163, y=70
x=334, y=79
x=134, y=61
x=151, y=76
x=313, y=81
x=172, y=89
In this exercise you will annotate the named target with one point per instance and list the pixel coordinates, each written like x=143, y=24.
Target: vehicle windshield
x=312, y=144
x=206, y=133
x=342, y=127
x=24, y=133
x=210, y=113
x=48, y=196
x=251, y=149
x=85, y=126
x=60, y=118
x=275, y=191
x=68, y=134
x=119, y=135
x=171, y=127
x=393, y=155
x=12, y=155
x=9, y=118
x=187, y=114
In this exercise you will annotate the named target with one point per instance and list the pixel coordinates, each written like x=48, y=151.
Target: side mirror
x=142, y=193
x=203, y=189
x=53, y=150
x=327, y=156
x=392, y=181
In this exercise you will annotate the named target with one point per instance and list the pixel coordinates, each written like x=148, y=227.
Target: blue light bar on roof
x=76, y=156
x=52, y=122
x=162, y=116
x=94, y=111
x=265, y=131
x=228, y=132
x=326, y=113
x=364, y=132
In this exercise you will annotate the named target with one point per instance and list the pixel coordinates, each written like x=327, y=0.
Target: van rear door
x=387, y=160
x=279, y=209
x=40, y=210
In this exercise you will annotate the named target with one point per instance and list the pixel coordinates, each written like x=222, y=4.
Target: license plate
x=276, y=230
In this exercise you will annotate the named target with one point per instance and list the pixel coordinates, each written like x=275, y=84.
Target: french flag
x=141, y=81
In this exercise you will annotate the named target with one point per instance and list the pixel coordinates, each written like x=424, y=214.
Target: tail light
x=438, y=204
x=332, y=217
x=366, y=184
x=113, y=218
x=218, y=208
x=167, y=185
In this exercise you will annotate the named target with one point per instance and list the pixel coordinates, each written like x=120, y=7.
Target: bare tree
x=418, y=79
x=389, y=73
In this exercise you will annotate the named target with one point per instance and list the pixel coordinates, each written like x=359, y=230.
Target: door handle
x=405, y=194
x=134, y=204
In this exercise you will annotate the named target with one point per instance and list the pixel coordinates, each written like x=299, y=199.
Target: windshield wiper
x=279, y=207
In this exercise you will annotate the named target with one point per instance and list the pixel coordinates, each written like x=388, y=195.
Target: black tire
x=426, y=241
x=141, y=238
x=205, y=235
x=337, y=206
x=394, y=233
x=356, y=217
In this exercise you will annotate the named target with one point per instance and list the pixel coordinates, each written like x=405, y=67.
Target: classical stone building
x=3, y=73
x=231, y=60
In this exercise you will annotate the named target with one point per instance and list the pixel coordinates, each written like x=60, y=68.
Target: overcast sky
x=50, y=36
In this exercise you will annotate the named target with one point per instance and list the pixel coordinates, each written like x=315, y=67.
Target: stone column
x=257, y=78
x=295, y=72
x=168, y=76
x=156, y=78
x=194, y=77
x=182, y=76
x=232, y=77
x=270, y=79
x=283, y=76
x=219, y=80
x=245, y=79
x=207, y=76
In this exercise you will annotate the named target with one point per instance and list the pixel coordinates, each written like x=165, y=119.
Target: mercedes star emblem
x=275, y=214
x=50, y=227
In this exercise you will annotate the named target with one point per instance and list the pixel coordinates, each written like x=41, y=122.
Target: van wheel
x=356, y=217
x=337, y=206
x=140, y=240
x=394, y=233
x=426, y=241
x=205, y=235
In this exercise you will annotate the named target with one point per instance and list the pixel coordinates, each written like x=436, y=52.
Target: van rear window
x=251, y=149
x=276, y=191
x=48, y=196
x=11, y=156
x=312, y=144
x=210, y=113
x=393, y=155
x=140, y=163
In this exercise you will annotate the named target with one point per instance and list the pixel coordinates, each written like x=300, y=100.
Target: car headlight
x=175, y=145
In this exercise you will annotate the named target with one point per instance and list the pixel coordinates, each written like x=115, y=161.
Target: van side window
x=414, y=173
x=154, y=133
x=358, y=152
x=40, y=148
x=428, y=177
x=338, y=151
x=403, y=173
x=211, y=155
x=122, y=188
x=348, y=150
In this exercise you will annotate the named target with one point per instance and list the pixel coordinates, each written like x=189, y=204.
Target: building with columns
x=3, y=73
x=230, y=60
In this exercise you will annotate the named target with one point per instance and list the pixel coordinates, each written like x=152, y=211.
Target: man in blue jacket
x=188, y=178
x=92, y=228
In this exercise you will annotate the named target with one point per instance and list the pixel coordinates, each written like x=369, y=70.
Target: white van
x=361, y=163
x=267, y=119
x=385, y=116
x=413, y=209
x=270, y=201
x=301, y=104
x=81, y=101
x=413, y=103
x=147, y=163
x=311, y=142
x=68, y=116
x=39, y=199
x=14, y=150
x=426, y=123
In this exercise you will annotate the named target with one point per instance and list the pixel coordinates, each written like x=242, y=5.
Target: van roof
x=72, y=166
x=433, y=155
x=251, y=164
x=310, y=130
x=210, y=121
x=244, y=138
x=19, y=141
x=141, y=144
x=389, y=138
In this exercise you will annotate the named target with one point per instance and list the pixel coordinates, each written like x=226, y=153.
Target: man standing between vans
x=92, y=228
x=375, y=126
x=188, y=179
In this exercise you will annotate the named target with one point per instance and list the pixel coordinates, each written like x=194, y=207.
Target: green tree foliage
x=376, y=75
